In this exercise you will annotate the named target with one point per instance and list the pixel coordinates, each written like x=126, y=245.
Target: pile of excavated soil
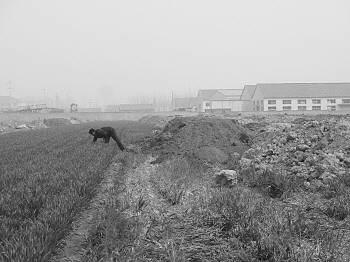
x=211, y=139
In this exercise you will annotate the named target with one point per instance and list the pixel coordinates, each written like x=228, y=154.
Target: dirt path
x=171, y=232
x=156, y=213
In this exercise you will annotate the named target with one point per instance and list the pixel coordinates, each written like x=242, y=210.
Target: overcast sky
x=109, y=50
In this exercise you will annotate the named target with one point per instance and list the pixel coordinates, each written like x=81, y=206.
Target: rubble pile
x=316, y=149
x=16, y=125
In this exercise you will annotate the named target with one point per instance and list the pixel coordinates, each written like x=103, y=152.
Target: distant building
x=185, y=103
x=299, y=96
x=136, y=108
x=113, y=108
x=219, y=100
x=246, y=97
x=89, y=110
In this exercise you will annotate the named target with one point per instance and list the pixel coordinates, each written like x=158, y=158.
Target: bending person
x=106, y=133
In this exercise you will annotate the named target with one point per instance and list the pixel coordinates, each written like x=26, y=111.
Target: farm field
x=47, y=177
x=287, y=199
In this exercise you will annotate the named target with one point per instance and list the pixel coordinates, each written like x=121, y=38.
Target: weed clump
x=173, y=179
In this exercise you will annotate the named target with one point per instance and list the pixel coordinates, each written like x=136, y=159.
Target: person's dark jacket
x=106, y=133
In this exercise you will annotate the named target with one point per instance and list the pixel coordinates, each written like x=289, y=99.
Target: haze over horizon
x=109, y=51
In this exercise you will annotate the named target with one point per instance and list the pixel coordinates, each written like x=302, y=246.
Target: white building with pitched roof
x=298, y=96
x=219, y=100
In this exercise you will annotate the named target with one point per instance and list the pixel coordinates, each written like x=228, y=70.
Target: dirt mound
x=158, y=121
x=189, y=135
x=57, y=122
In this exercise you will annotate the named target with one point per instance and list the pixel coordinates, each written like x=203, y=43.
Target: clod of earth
x=226, y=178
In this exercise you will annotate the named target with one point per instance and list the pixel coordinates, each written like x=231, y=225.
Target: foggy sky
x=109, y=50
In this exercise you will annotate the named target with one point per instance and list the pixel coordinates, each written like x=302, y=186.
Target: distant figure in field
x=106, y=133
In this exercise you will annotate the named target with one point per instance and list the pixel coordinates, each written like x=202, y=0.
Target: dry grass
x=188, y=220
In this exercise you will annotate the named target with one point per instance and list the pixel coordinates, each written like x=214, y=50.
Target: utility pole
x=10, y=88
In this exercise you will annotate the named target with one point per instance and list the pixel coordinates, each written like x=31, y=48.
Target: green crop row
x=47, y=177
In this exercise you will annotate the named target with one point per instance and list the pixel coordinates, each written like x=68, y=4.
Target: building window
x=271, y=108
x=316, y=101
x=287, y=108
x=257, y=103
x=331, y=101
x=316, y=108
x=301, y=101
x=287, y=102
x=301, y=108
x=253, y=103
x=207, y=104
x=331, y=108
x=271, y=102
x=346, y=101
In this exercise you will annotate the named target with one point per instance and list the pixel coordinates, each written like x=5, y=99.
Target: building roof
x=231, y=92
x=305, y=90
x=136, y=107
x=207, y=93
x=228, y=94
x=248, y=92
x=184, y=102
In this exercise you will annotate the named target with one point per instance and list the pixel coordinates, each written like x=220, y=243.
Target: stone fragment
x=290, y=137
x=275, y=191
x=314, y=138
x=21, y=127
x=226, y=178
x=346, y=161
x=326, y=177
x=302, y=147
x=283, y=141
x=300, y=156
